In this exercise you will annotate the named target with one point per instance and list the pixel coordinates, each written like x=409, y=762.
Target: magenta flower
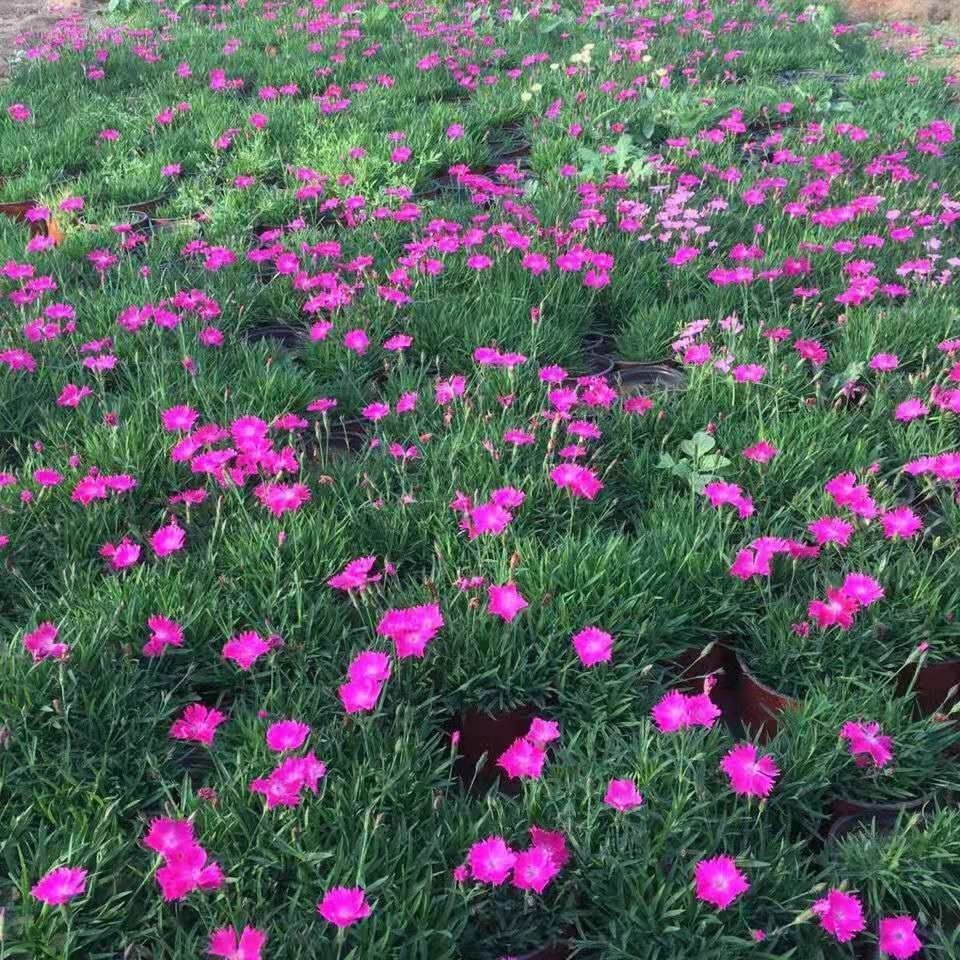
x=356, y=341
x=554, y=842
x=719, y=882
x=534, y=869
x=760, y=452
x=179, y=418
x=42, y=643
x=898, y=937
x=286, y=735
x=522, y=759
x=169, y=838
x=164, y=633
x=543, y=732
x=60, y=885
x=411, y=628
x=623, y=795
x=245, y=649
x=911, y=409
x=355, y=575
x=580, y=481
x=167, y=539
x=369, y=665
x=359, y=695
x=344, y=906
x=120, y=555
x=671, y=713
x=864, y=589
x=226, y=943
x=505, y=601
x=197, y=723
x=593, y=646
x=284, y=784
x=831, y=530
x=491, y=860
x=840, y=914
x=866, y=739
x=901, y=522
x=749, y=775
x=186, y=872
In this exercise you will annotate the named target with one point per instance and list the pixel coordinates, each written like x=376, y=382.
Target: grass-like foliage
x=479, y=477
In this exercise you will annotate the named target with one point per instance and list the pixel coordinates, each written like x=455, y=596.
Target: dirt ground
x=918, y=11
x=18, y=17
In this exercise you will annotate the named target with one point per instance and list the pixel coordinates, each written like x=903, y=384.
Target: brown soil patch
x=22, y=22
x=917, y=11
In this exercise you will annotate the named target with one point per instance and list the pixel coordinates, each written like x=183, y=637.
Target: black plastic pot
x=637, y=377
x=885, y=814
x=286, y=336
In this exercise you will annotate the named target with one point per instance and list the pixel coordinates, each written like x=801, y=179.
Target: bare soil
x=943, y=12
x=21, y=19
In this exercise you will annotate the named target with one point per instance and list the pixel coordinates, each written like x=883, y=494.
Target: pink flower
x=279, y=498
x=187, y=871
x=670, y=713
x=164, y=633
x=369, y=665
x=867, y=739
x=522, y=759
x=910, y=409
x=247, y=946
x=360, y=694
x=865, y=590
x=356, y=341
x=543, y=732
x=534, y=869
x=71, y=395
x=169, y=838
x=283, y=786
x=898, y=937
x=884, y=362
x=411, y=628
x=831, y=530
x=491, y=860
x=622, y=795
x=344, y=906
x=554, y=842
x=287, y=735
x=355, y=575
x=900, y=522
x=167, y=539
x=811, y=350
x=593, y=646
x=41, y=643
x=760, y=452
x=840, y=914
x=580, y=481
x=719, y=882
x=197, y=723
x=837, y=610
x=179, y=418
x=749, y=775
x=505, y=601
x=245, y=649
x=121, y=555
x=60, y=885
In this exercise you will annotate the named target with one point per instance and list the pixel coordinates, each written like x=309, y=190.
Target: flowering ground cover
x=478, y=480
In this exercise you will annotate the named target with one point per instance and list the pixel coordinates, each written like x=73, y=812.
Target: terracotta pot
x=17, y=211
x=759, y=704
x=936, y=687
x=695, y=664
